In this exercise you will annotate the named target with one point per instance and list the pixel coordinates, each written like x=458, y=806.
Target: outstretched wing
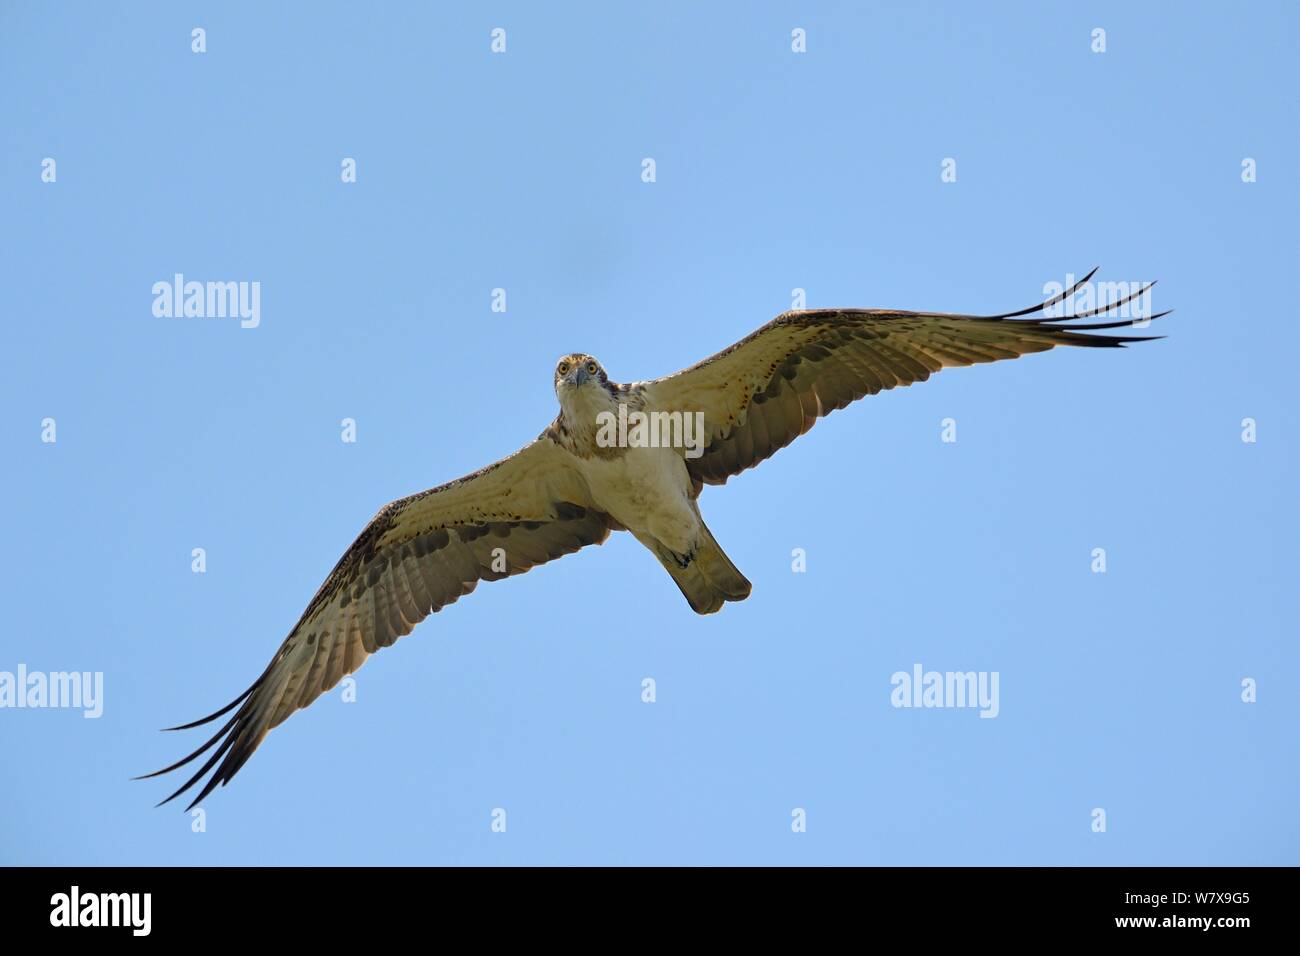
x=416, y=555
x=765, y=391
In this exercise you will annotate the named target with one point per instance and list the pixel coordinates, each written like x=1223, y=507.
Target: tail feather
x=707, y=578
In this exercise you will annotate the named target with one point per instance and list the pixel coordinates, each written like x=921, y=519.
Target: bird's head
x=576, y=374
x=584, y=391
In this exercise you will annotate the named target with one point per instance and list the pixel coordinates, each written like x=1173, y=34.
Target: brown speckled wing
x=762, y=393
x=417, y=555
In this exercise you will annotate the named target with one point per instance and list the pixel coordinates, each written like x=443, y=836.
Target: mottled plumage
x=572, y=487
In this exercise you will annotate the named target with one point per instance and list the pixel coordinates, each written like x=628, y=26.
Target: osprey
x=586, y=476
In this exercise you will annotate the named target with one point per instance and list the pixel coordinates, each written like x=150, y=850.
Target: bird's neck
x=581, y=416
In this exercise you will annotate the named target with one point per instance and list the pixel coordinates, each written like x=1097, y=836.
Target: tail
x=707, y=577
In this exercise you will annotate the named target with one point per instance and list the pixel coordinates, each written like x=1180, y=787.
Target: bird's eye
x=563, y=368
x=591, y=368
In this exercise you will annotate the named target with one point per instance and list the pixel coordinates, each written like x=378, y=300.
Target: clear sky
x=775, y=171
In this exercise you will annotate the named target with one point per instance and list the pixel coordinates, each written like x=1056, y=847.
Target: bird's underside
x=568, y=488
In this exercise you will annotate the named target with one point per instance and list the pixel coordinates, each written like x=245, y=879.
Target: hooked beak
x=579, y=375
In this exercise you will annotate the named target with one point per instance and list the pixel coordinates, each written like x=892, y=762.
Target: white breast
x=647, y=490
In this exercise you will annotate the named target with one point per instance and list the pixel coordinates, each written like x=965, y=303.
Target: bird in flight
x=617, y=458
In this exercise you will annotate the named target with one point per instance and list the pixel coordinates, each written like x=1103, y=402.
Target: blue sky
x=775, y=171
